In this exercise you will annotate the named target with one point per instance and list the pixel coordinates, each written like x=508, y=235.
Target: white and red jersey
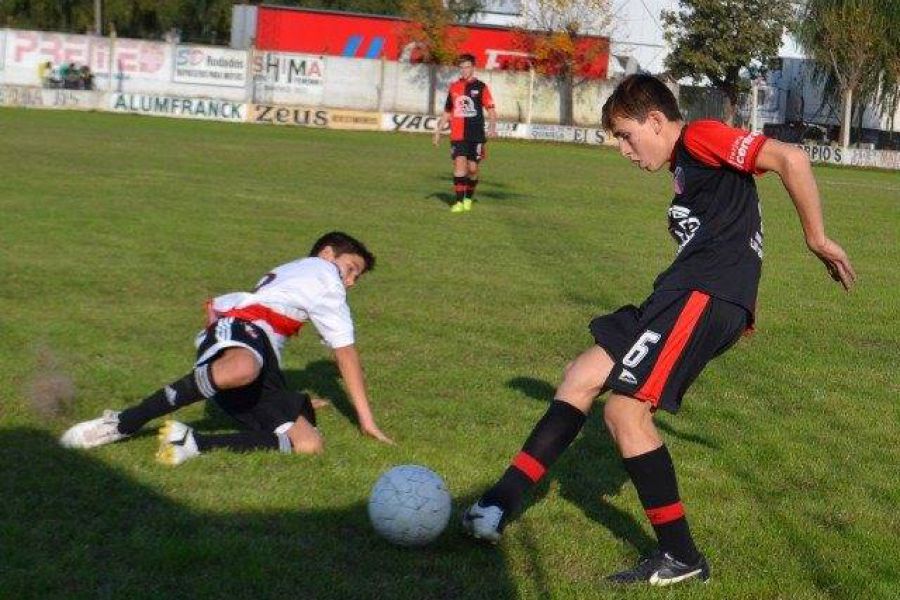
x=308, y=289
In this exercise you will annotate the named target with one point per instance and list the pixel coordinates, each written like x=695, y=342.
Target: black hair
x=342, y=243
x=464, y=58
x=636, y=96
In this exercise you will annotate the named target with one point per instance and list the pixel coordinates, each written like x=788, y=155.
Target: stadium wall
x=214, y=83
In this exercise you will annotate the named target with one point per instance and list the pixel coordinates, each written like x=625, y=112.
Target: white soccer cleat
x=93, y=433
x=176, y=443
x=483, y=522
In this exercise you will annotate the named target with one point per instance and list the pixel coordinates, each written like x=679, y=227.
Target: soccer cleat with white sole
x=93, y=433
x=176, y=443
x=483, y=522
x=661, y=568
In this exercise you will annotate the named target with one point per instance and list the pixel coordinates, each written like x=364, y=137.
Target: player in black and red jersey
x=467, y=101
x=648, y=356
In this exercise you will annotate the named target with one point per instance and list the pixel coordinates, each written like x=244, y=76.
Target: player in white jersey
x=238, y=362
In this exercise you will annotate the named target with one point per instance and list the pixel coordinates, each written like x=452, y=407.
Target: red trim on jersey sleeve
x=681, y=333
x=487, y=100
x=716, y=144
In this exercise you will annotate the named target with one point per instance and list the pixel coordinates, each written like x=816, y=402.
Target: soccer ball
x=409, y=505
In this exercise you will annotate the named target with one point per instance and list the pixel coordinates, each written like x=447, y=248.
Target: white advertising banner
x=176, y=106
x=207, y=65
x=137, y=61
x=35, y=97
x=853, y=157
x=288, y=78
x=572, y=135
x=2, y=48
x=410, y=122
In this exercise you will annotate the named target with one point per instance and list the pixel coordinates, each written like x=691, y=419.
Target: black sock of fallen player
x=196, y=385
x=244, y=441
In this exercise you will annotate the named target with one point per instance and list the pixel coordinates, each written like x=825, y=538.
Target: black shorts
x=474, y=151
x=661, y=346
x=268, y=403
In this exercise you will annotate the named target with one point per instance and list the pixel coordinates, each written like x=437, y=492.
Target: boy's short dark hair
x=465, y=57
x=636, y=96
x=342, y=243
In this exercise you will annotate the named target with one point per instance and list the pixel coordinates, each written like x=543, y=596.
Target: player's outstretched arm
x=793, y=166
x=350, y=366
x=492, y=122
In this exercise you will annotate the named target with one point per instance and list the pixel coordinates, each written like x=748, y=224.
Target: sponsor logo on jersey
x=464, y=107
x=739, y=154
x=682, y=225
x=171, y=395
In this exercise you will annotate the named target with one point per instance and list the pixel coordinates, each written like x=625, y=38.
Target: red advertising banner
x=370, y=36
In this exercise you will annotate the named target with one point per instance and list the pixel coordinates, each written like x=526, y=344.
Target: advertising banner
x=27, y=52
x=176, y=106
x=853, y=157
x=274, y=114
x=354, y=119
x=426, y=124
x=282, y=72
x=35, y=97
x=572, y=135
x=206, y=65
x=2, y=48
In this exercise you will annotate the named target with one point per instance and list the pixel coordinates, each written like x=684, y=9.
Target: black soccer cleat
x=660, y=568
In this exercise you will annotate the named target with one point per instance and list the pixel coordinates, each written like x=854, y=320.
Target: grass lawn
x=115, y=229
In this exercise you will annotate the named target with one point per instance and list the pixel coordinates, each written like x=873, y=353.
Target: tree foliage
x=562, y=39
x=856, y=45
x=429, y=33
x=724, y=40
x=200, y=21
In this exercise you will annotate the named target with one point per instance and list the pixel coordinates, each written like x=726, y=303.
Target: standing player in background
x=238, y=363
x=648, y=356
x=467, y=100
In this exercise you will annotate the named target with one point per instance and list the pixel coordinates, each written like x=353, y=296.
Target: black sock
x=244, y=441
x=470, y=190
x=554, y=433
x=653, y=475
x=194, y=386
x=460, y=185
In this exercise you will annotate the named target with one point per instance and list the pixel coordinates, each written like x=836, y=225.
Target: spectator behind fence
x=45, y=73
x=72, y=79
x=87, y=78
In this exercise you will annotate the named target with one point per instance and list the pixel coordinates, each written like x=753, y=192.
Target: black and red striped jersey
x=466, y=102
x=715, y=216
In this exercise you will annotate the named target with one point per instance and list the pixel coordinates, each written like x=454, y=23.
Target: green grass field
x=115, y=229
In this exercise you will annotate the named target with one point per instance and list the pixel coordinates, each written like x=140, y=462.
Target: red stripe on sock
x=665, y=514
x=529, y=465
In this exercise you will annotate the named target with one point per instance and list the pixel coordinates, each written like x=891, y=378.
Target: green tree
x=723, y=40
x=849, y=40
x=561, y=37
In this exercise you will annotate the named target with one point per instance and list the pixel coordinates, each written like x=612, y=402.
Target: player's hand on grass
x=836, y=261
x=371, y=430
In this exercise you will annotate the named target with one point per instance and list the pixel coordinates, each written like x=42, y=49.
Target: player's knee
x=310, y=442
x=236, y=368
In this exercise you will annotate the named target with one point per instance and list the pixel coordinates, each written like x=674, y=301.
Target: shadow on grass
x=74, y=527
x=591, y=470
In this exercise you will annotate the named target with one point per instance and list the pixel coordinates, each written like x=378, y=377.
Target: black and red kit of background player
x=467, y=101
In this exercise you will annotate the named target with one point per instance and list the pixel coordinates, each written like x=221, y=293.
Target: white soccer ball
x=409, y=505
